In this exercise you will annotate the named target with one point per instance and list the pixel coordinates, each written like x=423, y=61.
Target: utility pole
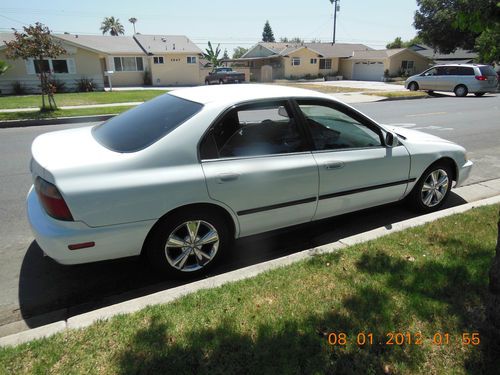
x=335, y=9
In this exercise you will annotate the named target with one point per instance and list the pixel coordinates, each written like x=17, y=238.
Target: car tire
x=432, y=189
x=413, y=86
x=461, y=91
x=207, y=82
x=221, y=82
x=479, y=93
x=184, y=232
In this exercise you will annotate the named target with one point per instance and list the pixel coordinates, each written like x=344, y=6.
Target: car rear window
x=143, y=125
x=487, y=71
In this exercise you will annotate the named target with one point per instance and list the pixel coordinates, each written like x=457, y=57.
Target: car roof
x=466, y=65
x=231, y=94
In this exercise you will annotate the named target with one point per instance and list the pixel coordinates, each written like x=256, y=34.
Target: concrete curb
x=54, y=121
x=86, y=319
x=405, y=98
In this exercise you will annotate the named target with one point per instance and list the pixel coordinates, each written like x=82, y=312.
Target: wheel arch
x=212, y=207
x=450, y=162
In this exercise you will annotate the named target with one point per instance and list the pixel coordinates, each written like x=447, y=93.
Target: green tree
x=112, y=26
x=212, y=55
x=396, y=43
x=239, y=51
x=36, y=43
x=399, y=43
x=450, y=24
x=225, y=56
x=133, y=20
x=267, y=33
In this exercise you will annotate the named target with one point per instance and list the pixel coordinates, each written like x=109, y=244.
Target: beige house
x=269, y=61
x=373, y=64
x=126, y=60
x=172, y=59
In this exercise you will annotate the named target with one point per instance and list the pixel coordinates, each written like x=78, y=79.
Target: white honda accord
x=179, y=177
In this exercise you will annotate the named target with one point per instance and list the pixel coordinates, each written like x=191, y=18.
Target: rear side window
x=487, y=71
x=464, y=71
x=142, y=126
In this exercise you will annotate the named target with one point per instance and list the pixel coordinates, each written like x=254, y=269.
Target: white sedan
x=179, y=177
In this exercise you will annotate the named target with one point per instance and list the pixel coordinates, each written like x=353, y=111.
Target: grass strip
x=426, y=284
x=10, y=116
x=80, y=98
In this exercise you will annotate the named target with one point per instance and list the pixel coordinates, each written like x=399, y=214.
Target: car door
x=356, y=169
x=257, y=161
x=426, y=80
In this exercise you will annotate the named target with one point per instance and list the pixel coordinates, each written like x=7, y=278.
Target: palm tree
x=133, y=20
x=112, y=25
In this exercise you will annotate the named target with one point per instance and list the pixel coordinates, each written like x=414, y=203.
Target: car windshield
x=487, y=70
x=143, y=125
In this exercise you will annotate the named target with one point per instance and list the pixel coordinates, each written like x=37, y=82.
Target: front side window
x=251, y=130
x=191, y=59
x=128, y=64
x=430, y=72
x=295, y=61
x=332, y=129
x=325, y=63
x=145, y=124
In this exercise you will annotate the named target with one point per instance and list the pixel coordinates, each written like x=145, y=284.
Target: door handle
x=225, y=177
x=334, y=164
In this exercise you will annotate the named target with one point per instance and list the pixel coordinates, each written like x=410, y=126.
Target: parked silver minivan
x=458, y=78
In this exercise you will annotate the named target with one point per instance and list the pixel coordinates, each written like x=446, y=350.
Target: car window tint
x=332, y=129
x=143, y=125
x=431, y=72
x=465, y=71
x=487, y=71
x=441, y=71
x=259, y=129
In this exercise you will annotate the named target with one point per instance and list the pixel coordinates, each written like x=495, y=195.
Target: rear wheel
x=188, y=243
x=461, y=91
x=432, y=189
x=413, y=86
x=221, y=81
x=479, y=93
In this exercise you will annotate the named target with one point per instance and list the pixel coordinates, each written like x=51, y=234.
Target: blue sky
x=230, y=23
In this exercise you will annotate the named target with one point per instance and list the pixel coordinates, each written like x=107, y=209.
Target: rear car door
x=257, y=161
x=356, y=169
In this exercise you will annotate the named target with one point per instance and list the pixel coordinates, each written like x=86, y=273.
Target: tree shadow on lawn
x=453, y=292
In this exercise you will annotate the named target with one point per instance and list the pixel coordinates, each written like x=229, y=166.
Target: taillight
x=481, y=78
x=52, y=200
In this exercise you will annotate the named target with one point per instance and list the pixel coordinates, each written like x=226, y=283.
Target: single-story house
x=372, y=65
x=460, y=56
x=166, y=59
x=289, y=60
x=269, y=61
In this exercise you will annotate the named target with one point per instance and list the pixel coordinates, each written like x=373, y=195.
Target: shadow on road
x=49, y=292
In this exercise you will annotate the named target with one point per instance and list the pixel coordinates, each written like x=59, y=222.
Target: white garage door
x=368, y=71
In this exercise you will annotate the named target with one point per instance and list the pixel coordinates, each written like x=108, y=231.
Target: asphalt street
x=32, y=285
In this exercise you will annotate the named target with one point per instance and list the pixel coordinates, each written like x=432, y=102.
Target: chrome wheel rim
x=434, y=188
x=192, y=245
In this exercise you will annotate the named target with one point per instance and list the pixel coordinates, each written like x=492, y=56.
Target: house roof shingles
x=157, y=44
x=324, y=49
x=104, y=43
x=427, y=51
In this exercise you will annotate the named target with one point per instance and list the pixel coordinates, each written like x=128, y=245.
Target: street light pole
x=334, y=2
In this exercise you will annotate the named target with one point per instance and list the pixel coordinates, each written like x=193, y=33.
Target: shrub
x=147, y=78
x=85, y=84
x=58, y=86
x=18, y=88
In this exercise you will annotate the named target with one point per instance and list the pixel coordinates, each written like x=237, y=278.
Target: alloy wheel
x=434, y=188
x=192, y=245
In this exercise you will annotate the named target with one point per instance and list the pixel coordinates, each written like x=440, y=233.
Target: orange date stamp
x=402, y=338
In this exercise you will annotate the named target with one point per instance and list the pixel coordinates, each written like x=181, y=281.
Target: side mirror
x=391, y=140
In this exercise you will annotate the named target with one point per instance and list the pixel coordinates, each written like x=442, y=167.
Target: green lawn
x=426, y=284
x=6, y=116
x=82, y=98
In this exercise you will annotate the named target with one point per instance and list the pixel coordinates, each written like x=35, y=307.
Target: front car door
x=356, y=169
x=257, y=161
x=428, y=79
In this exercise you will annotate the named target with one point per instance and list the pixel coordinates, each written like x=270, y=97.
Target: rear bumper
x=464, y=173
x=111, y=242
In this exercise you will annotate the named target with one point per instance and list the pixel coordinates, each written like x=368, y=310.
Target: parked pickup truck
x=224, y=75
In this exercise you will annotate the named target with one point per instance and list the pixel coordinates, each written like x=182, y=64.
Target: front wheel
x=413, y=86
x=188, y=243
x=432, y=189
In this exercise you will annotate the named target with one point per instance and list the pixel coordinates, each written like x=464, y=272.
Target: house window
x=191, y=59
x=57, y=66
x=158, y=60
x=325, y=63
x=314, y=61
x=295, y=61
x=407, y=64
x=128, y=64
